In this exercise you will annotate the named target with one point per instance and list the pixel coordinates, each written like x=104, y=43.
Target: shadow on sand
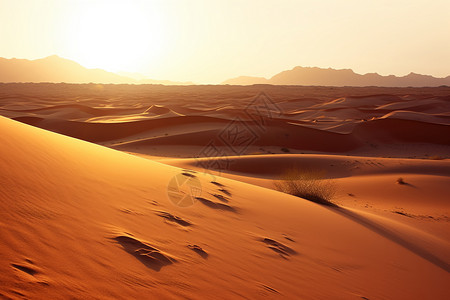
x=391, y=235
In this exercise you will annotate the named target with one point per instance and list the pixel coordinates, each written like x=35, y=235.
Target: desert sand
x=141, y=192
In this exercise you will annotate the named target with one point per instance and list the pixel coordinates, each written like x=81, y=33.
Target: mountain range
x=345, y=77
x=57, y=69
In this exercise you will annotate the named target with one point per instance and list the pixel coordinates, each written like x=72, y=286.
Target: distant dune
x=346, y=77
x=329, y=120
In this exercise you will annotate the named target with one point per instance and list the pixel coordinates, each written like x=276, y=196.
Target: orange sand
x=80, y=220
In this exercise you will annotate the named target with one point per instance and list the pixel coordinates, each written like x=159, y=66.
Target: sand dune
x=361, y=101
x=403, y=130
x=329, y=120
x=109, y=208
x=197, y=215
x=363, y=182
x=100, y=132
x=417, y=116
x=431, y=105
x=298, y=138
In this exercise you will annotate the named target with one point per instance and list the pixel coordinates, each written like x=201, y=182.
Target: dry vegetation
x=400, y=180
x=308, y=184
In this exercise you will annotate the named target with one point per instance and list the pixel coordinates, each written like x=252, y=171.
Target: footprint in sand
x=220, y=197
x=217, y=183
x=188, y=174
x=278, y=247
x=270, y=289
x=174, y=219
x=153, y=202
x=226, y=192
x=288, y=238
x=30, y=272
x=130, y=211
x=199, y=250
x=150, y=256
x=215, y=205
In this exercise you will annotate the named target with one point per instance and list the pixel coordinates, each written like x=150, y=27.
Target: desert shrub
x=400, y=181
x=308, y=184
x=285, y=150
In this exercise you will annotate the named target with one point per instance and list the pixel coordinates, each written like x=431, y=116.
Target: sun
x=117, y=36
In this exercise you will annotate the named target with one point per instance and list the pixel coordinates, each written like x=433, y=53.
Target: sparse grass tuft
x=308, y=184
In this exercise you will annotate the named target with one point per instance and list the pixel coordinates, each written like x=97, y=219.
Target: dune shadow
x=392, y=236
x=410, y=185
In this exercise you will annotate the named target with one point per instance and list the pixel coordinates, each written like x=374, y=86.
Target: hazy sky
x=209, y=41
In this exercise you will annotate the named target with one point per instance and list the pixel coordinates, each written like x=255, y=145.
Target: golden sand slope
x=366, y=183
x=79, y=220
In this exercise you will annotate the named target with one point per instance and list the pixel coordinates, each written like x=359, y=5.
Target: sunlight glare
x=117, y=36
